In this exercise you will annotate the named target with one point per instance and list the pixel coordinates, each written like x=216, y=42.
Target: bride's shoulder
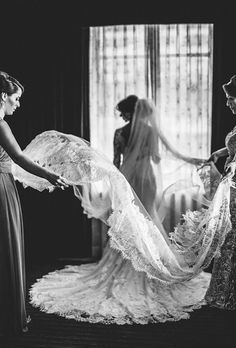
x=121, y=135
x=117, y=134
x=121, y=130
x=126, y=126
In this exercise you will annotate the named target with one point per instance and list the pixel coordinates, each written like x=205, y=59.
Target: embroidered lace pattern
x=222, y=289
x=132, y=231
x=112, y=292
x=160, y=280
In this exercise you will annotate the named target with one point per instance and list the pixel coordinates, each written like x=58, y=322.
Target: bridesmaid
x=13, y=318
x=222, y=290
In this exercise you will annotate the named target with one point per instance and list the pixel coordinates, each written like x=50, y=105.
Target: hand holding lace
x=198, y=161
x=57, y=180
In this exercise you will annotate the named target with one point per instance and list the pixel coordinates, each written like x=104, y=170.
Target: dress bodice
x=121, y=138
x=5, y=161
x=230, y=143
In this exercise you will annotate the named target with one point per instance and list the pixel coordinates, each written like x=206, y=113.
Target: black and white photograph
x=117, y=174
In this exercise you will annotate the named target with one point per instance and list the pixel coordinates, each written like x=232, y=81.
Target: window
x=171, y=64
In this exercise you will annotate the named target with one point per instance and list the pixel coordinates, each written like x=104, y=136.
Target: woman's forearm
x=27, y=164
x=221, y=152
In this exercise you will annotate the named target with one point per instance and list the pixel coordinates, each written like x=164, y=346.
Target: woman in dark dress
x=13, y=318
x=222, y=290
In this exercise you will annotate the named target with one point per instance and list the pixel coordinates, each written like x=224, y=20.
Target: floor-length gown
x=222, y=289
x=12, y=264
x=146, y=183
x=112, y=291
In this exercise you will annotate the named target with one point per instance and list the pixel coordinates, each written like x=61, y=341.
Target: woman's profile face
x=231, y=103
x=126, y=116
x=12, y=102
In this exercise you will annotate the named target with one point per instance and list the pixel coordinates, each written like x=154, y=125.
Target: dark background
x=44, y=45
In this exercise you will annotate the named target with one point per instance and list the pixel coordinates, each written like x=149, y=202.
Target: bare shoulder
x=4, y=127
x=5, y=132
x=3, y=124
x=8, y=141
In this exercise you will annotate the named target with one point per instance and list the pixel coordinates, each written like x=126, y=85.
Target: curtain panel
x=172, y=64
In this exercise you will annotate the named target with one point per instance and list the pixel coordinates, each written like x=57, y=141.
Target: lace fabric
x=202, y=233
x=143, y=276
x=222, y=288
x=221, y=292
x=131, y=229
x=112, y=292
x=153, y=167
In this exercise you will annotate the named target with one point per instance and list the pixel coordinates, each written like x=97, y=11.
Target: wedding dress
x=144, y=276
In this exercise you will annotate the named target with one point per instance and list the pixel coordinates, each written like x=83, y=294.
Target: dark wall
x=41, y=45
x=41, y=48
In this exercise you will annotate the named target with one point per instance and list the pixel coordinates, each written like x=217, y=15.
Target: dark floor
x=207, y=327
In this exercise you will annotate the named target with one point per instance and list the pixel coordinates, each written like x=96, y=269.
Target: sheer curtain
x=170, y=63
x=184, y=88
x=117, y=68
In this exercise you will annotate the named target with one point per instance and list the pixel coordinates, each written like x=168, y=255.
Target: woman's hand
x=57, y=180
x=156, y=158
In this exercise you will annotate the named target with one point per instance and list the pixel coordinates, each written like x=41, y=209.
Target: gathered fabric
x=160, y=174
x=146, y=273
x=131, y=229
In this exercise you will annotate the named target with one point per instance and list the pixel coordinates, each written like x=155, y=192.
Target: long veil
x=158, y=172
x=131, y=229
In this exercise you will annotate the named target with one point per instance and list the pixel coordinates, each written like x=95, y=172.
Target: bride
x=145, y=274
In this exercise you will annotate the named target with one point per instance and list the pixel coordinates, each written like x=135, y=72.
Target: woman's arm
x=217, y=154
x=11, y=146
x=117, y=149
x=192, y=160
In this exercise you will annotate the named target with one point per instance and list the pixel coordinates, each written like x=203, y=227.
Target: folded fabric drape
x=131, y=229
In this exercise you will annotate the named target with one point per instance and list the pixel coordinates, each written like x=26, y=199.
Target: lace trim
x=200, y=237
x=89, y=293
x=131, y=230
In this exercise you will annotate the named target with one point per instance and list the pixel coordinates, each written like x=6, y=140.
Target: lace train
x=142, y=277
x=113, y=292
x=132, y=231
